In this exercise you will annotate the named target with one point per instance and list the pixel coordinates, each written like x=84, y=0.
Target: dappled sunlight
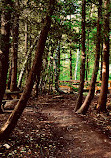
x=93, y=152
x=104, y=67
x=62, y=118
x=107, y=154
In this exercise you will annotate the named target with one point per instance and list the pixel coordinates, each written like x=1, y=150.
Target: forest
x=55, y=78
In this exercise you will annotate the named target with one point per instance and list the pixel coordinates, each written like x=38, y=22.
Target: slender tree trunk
x=4, y=46
x=25, y=63
x=15, y=34
x=26, y=37
x=105, y=69
x=45, y=72
x=26, y=44
x=70, y=54
x=30, y=57
x=87, y=58
x=101, y=54
x=83, y=109
x=77, y=62
x=87, y=66
x=70, y=64
x=51, y=63
x=37, y=86
x=9, y=76
x=82, y=68
x=50, y=72
x=57, y=69
x=13, y=118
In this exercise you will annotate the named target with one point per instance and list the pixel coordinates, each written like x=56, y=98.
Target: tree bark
x=83, y=109
x=105, y=68
x=70, y=54
x=26, y=44
x=9, y=76
x=51, y=62
x=70, y=64
x=13, y=118
x=57, y=69
x=44, y=75
x=87, y=58
x=25, y=63
x=82, y=68
x=101, y=59
x=4, y=50
x=15, y=34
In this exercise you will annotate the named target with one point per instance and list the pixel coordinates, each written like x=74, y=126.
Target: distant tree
x=70, y=56
x=15, y=35
x=83, y=56
x=57, y=69
x=25, y=62
x=4, y=45
x=10, y=124
x=9, y=76
x=105, y=67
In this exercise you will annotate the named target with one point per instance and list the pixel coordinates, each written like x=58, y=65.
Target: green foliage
x=65, y=29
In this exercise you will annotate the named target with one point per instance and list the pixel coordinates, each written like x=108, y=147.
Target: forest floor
x=49, y=128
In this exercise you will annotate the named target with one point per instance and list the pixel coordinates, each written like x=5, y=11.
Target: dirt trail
x=77, y=138
x=49, y=128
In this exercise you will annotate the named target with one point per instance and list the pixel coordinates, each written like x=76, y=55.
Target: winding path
x=72, y=136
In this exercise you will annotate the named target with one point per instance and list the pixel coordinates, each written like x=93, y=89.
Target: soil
x=49, y=128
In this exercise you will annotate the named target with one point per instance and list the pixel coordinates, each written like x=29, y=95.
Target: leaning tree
x=10, y=124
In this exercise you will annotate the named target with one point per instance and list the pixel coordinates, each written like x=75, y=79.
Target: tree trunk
x=77, y=62
x=15, y=34
x=9, y=76
x=83, y=109
x=51, y=64
x=13, y=118
x=105, y=69
x=57, y=69
x=45, y=73
x=70, y=64
x=30, y=57
x=26, y=44
x=25, y=63
x=4, y=50
x=37, y=86
x=26, y=37
x=70, y=54
x=82, y=68
x=101, y=59
x=87, y=58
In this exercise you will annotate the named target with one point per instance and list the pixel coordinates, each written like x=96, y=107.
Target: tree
x=15, y=34
x=4, y=45
x=83, y=109
x=70, y=56
x=82, y=69
x=77, y=61
x=57, y=69
x=36, y=68
x=105, y=67
x=25, y=62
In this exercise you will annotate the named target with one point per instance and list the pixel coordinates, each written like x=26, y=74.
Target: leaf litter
x=49, y=127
